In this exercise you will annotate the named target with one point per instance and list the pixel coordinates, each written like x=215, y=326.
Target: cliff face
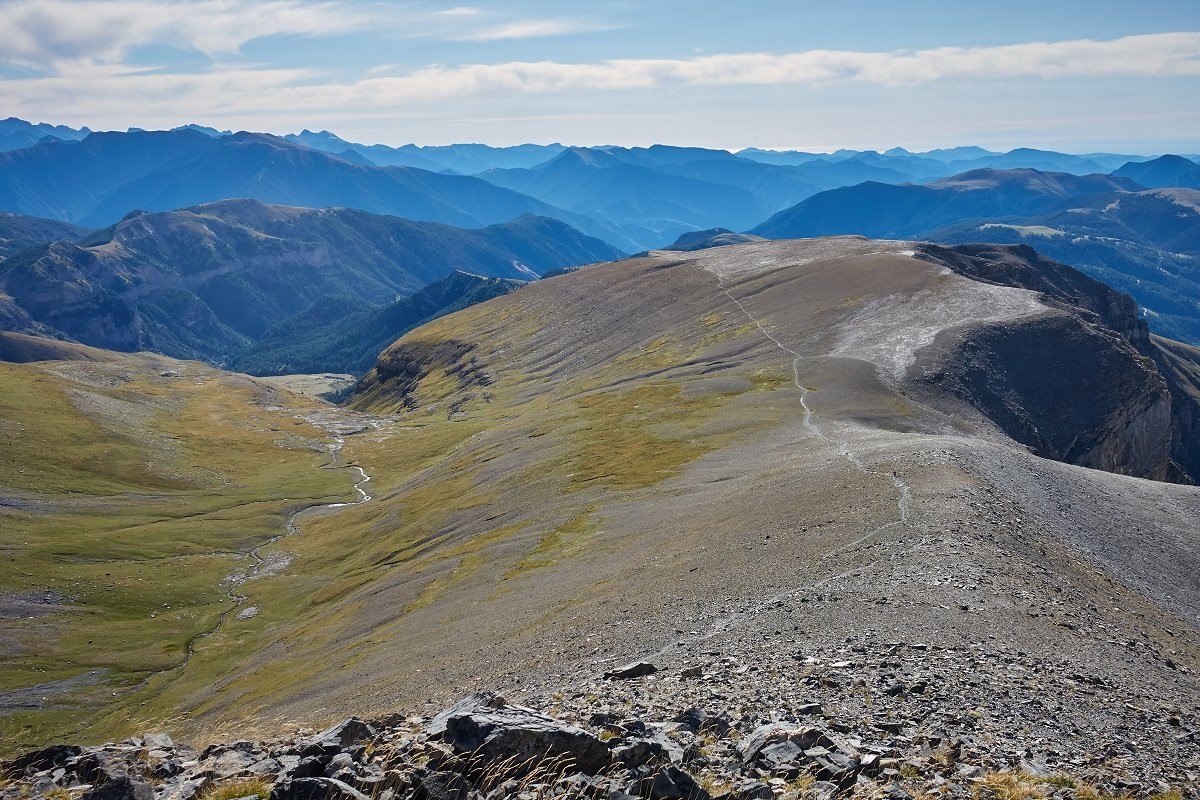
x=1082, y=384
x=1068, y=390
x=1180, y=366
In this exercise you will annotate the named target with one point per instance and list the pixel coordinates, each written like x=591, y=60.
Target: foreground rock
x=485, y=748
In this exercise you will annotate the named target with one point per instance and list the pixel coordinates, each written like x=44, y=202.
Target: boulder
x=230, y=763
x=672, y=783
x=123, y=788
x=182, y=788
x=342, y=736
x=157, y=741
x=656, y=749
x=833, y=766
x=442, y=786
x=748, y=789
x=315, y=789
x=698, y=720
x=96, y=768
x=753, y=743
x=46, y=758
x=492, y=730
x=782, y=757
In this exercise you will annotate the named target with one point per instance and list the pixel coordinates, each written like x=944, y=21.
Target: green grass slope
x=132, y=489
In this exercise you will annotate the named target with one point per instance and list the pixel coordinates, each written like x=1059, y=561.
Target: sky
x=1101, y=75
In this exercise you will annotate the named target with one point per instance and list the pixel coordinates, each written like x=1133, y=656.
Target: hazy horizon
x=1069, y=76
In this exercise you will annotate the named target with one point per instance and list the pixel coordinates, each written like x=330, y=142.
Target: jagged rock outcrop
x=401, y=368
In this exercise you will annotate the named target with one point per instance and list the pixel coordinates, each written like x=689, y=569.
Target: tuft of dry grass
x=235, y=789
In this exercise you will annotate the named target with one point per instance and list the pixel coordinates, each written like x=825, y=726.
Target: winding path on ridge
x=903, y=489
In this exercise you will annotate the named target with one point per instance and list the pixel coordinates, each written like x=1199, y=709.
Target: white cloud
x=532, y=28
x=1155, y=55
x=459, y=11
x=45, y=34
x=92, y=94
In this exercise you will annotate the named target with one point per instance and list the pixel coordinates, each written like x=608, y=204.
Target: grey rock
x=497, y=732
x=265, y=767
x=657, y=749
x=315, y=789
x=782, y=757
x=339, y=762
x=443, y=786
x=834, y=767
x=96, y=768
x=698, y=720
x=333, y=740
x=822, y=790
x=123, y=788
x=46, y=758
x=672, y=783
x=806, y=737
x=287, y=763
x=229, y=764
x=747, y=789
x=182, y=788
x=158, y=741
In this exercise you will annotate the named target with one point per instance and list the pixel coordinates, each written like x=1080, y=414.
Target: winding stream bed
x=262, y=566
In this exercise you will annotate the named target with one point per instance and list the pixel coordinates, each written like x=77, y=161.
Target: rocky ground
x=894, y=720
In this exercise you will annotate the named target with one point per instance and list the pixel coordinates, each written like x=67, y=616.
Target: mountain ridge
x=209, y=280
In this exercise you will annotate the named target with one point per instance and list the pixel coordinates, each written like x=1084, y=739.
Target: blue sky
x=1076, y=76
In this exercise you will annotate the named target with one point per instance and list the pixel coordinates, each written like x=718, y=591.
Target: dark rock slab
x=123, y=788
x=47, y=758
x=672, y=783
x=442, y=786
x=636, y=669
x=806, y=737
x=345, y=734
x=492, y=730
x=315, y=789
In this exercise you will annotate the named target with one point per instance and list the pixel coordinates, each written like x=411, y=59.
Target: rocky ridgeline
x=608, y=739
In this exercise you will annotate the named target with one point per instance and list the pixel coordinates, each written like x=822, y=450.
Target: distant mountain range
x=886, y=211
x=98, y=180
x=1163, y=172
x=17, y=133
x=637, y=198
x=1146, y=243
x=210, y=281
